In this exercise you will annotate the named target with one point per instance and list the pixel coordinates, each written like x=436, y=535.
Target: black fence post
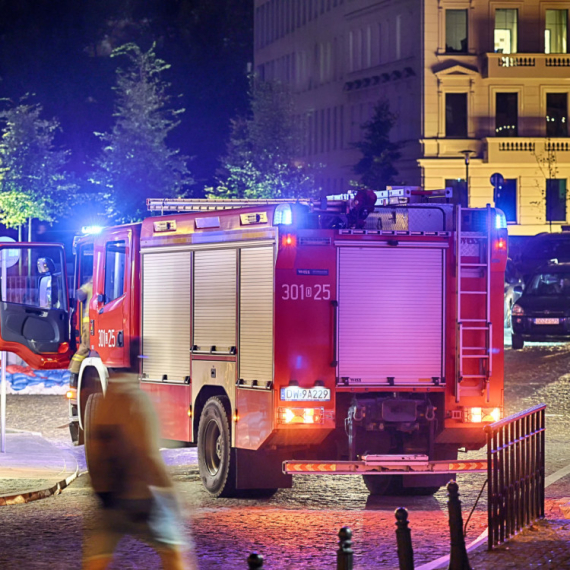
x=404, y=540
x=458, y=556
x=254, y=560
x=344, y=552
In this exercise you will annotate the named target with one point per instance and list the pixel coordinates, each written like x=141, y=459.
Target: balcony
x=530, y=65
x=523, y=149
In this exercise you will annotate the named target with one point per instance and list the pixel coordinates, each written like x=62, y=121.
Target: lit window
x=456, y=31
x=506, y=23
x=556, y=31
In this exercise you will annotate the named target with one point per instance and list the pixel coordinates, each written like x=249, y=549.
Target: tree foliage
x=33, y=180
x=136, y=162
x=376, y=167
x=263, y=150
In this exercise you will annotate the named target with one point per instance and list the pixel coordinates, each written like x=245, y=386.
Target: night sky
x=59, y=51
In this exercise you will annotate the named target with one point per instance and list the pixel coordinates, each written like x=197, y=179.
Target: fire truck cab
x=294, y=336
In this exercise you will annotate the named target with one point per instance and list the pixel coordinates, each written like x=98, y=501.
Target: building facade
x=481, y=82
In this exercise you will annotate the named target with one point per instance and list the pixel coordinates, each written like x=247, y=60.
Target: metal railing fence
x=515, y=464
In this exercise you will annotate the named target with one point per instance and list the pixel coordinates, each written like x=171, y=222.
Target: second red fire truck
x=359, y=334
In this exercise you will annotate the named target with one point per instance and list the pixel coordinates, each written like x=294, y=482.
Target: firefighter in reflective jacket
x=84, y=294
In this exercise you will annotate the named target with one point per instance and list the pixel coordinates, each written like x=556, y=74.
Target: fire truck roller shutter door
x=166, y=316
x=390, y=314
x=256, y=315
x=215, y=275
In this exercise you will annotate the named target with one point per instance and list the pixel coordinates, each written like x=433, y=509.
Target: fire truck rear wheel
x=217, y=470
x=378, y=484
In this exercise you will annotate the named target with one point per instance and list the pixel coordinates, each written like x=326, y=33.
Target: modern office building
x=489, y=80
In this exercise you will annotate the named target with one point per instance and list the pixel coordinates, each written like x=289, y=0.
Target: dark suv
x=540, y=249
x=543, y=311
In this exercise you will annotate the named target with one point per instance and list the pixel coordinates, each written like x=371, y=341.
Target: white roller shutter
x=215, y=292
x=166, y=316
x=390, y=314
x=256, y=315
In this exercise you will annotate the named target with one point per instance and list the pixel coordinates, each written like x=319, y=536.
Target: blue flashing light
x=91, y=230
x=283, y=215
x=500, y=220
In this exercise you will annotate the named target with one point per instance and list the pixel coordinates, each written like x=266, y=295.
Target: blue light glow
x=283, y=215
x=91, y=230
x=500, y=220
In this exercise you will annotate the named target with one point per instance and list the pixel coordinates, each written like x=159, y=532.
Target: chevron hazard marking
x=311, y=467
x=468, y=466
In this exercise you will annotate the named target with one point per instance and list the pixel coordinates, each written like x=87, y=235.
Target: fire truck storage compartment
x=166, y=316
x=215, y=274
x=256, y=316
x=391, y=314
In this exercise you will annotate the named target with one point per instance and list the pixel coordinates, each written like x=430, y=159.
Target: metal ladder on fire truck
x=473, y=244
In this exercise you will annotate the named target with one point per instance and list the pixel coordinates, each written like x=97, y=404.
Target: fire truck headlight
x=300, y=415
x=283, y=215
x=479, y=415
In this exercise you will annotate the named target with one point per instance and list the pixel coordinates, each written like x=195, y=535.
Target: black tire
x=517, y=342
x=93, y=402
x=215, y=461
x=379, y=484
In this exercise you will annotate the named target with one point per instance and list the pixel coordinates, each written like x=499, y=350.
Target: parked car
x=514, y=284
x=542, y=248
x=542, y=313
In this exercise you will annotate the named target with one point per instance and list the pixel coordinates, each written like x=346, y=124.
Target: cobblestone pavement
x=544, y=545
x=297, y=528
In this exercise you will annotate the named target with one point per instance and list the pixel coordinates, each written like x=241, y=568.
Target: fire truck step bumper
x=384, y=465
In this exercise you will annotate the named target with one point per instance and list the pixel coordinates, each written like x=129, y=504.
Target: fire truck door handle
x=335, y=324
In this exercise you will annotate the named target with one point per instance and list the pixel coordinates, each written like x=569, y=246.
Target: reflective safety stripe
x=468, y=466
x=313, y=467
x=386, y=466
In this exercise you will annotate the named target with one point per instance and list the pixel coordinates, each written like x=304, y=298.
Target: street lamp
x=467, y=154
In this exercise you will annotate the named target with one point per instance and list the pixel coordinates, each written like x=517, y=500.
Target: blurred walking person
x=129, y=477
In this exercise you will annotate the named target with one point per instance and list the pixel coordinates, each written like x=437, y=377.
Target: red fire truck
x=286, y=336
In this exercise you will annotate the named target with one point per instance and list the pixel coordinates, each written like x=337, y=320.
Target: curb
x=21, y=498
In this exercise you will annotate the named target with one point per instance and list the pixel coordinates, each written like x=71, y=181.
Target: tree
x=376, y=167
x=261, y=159
x=136, y=162
x=548, y=166
x=33, y=180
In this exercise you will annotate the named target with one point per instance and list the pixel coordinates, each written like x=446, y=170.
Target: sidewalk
x=33, y=468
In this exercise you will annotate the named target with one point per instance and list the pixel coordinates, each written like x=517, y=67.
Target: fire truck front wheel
x=217, y=469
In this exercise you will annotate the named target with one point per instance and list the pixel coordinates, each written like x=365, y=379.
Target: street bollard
x=344, y=552
x=254, y=560
x=404, y=540
x=458, y=556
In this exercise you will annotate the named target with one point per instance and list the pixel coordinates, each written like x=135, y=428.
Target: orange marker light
x=63, y=348
x=289, y=240
x=501, y=244
x=71, y=394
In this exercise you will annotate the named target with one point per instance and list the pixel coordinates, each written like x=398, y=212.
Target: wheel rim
x=213, y=447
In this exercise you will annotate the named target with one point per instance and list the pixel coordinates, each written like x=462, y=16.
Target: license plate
x=297, y=394
x=546, y=321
